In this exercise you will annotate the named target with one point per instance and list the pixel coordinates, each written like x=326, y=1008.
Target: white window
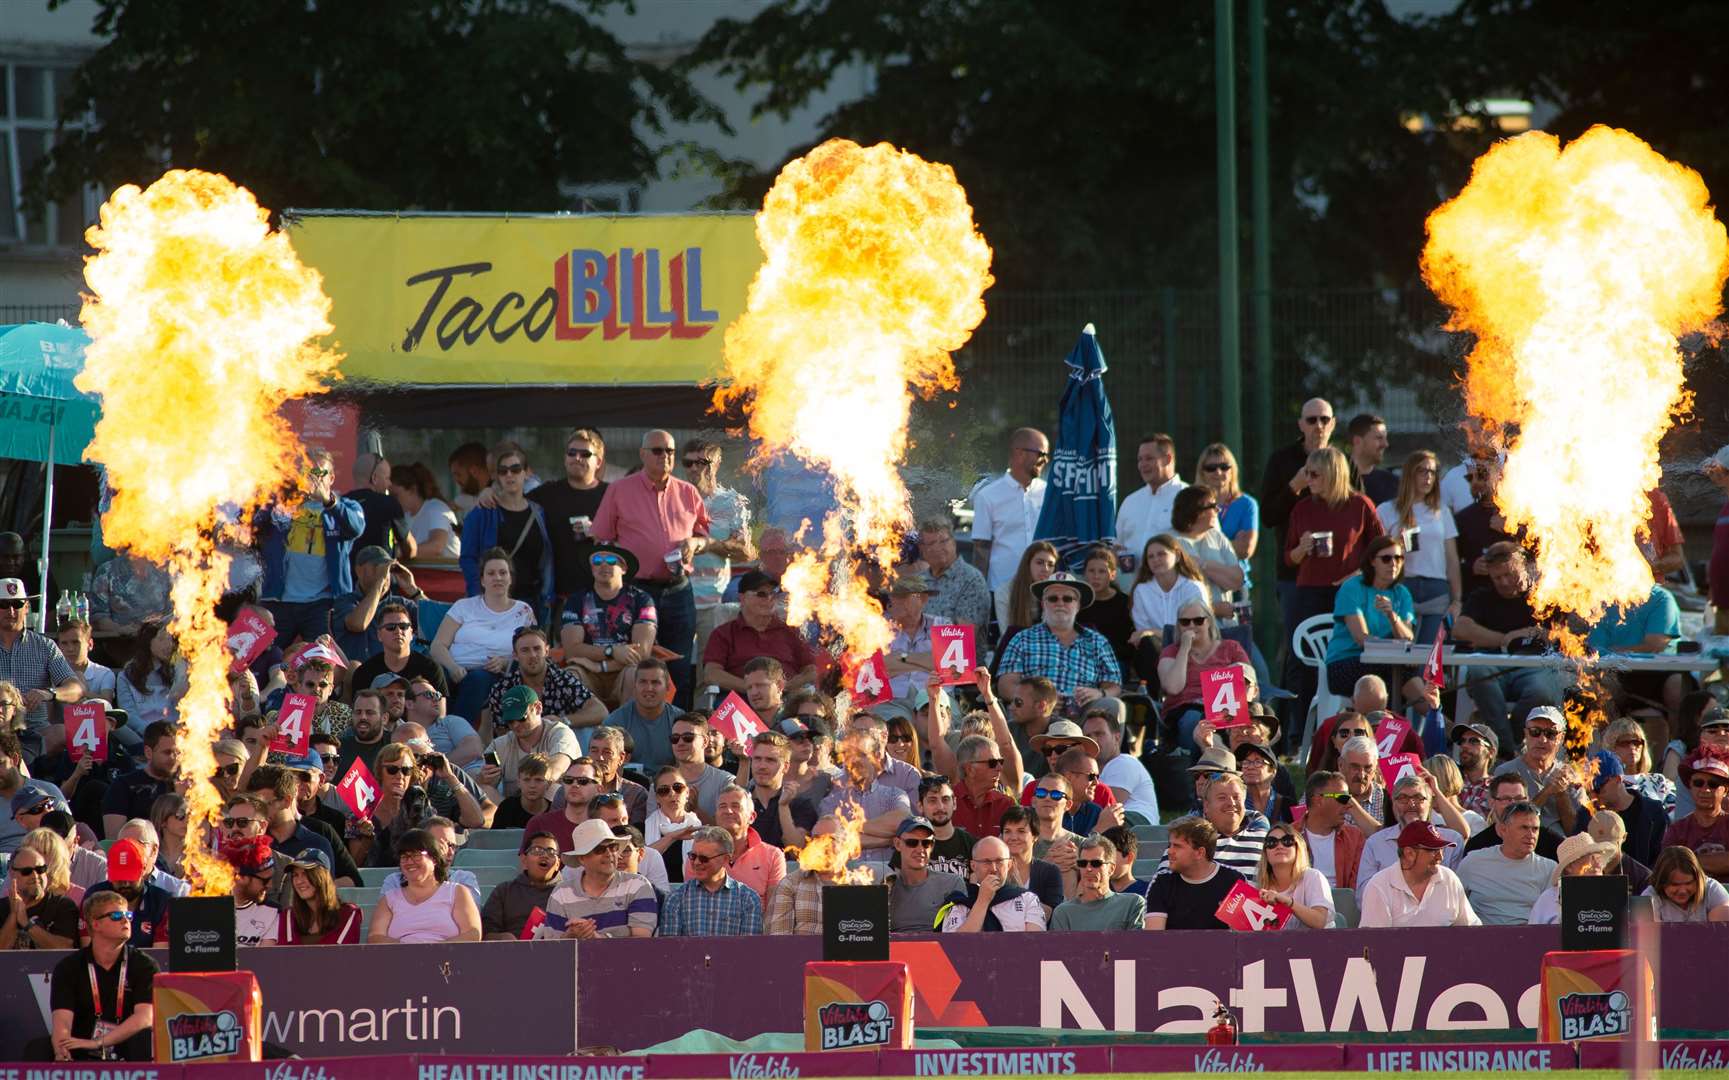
x=30, y=105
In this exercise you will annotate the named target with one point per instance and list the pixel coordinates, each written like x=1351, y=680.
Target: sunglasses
x=762, y=594
x=896, y=738
x=1629, y=742
x=579, y=781
x=1474, y=741
x=1042, y=455
x=1216, y=466
x=12, y=605
x=662, y=451
x=1389, y=558
x=604, y=559
x=1351, y=733
x=1704, y=783
x=1207, y=506
x=668, y=789
x=571, y=451
x=918, y=841
x=318, y=474
x=1061, y=598
x=687, y=737
x=40, y=808
x=404, y=627
x=1201, y=621
x=989, y=762
x=1089, y=777
x=29, y=871
x=428, y=695
x=117, y=916
x=1049, y=793
x=237, y=822
x=704, y=860
x=695, y=463
x=512, y=470
x=1053, y=749
x=1337, y=796
x=1542, y=733
x=609, y=797
x=1090, y=864
x=1317, y=419
x=542, y=852
x=399, y=770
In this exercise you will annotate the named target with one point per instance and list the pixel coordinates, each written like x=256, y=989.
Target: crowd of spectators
x=567, y=696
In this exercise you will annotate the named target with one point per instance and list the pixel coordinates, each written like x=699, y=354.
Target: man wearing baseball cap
x=378, y=579
x=1550, y=782
x=35, y=665
x=916, y=892
x=1644, y=817
x=1475, y=750
x=594, y=899
x=757, y=631
x=128, y=874
x=1706, y=829
x=1419, y=891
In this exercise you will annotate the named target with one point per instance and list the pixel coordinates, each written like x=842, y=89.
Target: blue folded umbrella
x=1081, y=497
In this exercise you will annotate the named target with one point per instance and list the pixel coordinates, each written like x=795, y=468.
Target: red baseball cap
x=126, y=862
x=1704, y=763
x=1424, y=835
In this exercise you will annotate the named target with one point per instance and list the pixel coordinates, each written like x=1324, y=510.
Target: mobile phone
x=490, y=758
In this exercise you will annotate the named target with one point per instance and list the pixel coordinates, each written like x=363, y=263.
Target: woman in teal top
x=1371, y=605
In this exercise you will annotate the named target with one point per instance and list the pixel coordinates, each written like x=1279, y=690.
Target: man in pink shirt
x=754, y=863
x=663, y=522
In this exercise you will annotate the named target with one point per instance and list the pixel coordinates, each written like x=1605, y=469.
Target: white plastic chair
x=1309, y=642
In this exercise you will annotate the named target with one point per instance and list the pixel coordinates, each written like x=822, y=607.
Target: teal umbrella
x=43, y=416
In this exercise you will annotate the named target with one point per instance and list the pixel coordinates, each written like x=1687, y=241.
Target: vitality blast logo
x=1593, y=1016
x=202, y=1035
x=849, y=1024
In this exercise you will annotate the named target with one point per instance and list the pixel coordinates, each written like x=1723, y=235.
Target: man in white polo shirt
x=1419, y=891
x=1147, y=511
x=1127, y=778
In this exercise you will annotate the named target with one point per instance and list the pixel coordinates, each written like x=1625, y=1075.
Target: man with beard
x=953, y=851
x=254, y=870
x=1078, y=659
x=128, y=874
x=1475, y=749
x=132, y=794
x=32, y=914
x=512, y=902
x=562, y=695
x=369, y=735
x=1411, y=802
x=1417, y=891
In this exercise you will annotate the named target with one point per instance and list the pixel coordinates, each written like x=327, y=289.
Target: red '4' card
x=1222, y=693
x=1390, y=732
x=956, y=655
x=1243, y=909
x=248, y=636
x=294, y=724
x=869, y=683
x=87, y=730
x=358, y=789
x=1395, y=767
x=735, y=719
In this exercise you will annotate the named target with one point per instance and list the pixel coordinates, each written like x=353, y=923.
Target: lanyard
x=119, y=989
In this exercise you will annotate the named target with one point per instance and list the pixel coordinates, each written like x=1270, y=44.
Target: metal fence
x=11, y=314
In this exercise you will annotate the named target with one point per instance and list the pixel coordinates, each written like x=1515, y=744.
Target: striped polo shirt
x=628, y=901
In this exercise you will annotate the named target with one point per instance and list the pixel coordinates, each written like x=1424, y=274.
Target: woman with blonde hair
x=1418, y=517
x=1284, y=876
x=1451, y=782
x=1239, y=513
x=168, y=813
x=1198, y=648
x=11, y=707
x=1326, y=538
x=57, y=858
x=1682, y=892
x=1625, y=738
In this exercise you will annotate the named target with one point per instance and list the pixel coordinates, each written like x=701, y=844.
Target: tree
x=412, y=104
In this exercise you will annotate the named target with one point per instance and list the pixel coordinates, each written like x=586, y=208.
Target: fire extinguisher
x=1224, y=1029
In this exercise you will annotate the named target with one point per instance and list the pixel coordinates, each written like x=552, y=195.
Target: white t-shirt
x=1426, y=550
x=485, y=633
x=658, y=825
x=1456, y=487
x=1130, y=775
x=1321, y=857
x=1154, y=609
x=1145, y=514
x=1715, y=896
x=1007, y=515
x=433, y=515
x=98, y=681
x=1312, y=890
x=255, y=923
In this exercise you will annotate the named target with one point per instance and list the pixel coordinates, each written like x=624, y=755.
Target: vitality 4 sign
x=955, y=653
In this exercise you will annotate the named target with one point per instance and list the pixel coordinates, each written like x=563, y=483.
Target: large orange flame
x=199, y=318
x=873, y=274
x=1576, y=269
x=831, y=852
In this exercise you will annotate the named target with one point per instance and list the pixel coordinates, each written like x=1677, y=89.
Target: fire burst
x=1576, y=269
x=873, y=274
x=199, y=318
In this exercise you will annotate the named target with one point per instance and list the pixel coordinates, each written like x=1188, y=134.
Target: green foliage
x=386, y=104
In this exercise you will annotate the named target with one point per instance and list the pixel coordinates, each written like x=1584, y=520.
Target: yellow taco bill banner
x=538, y=300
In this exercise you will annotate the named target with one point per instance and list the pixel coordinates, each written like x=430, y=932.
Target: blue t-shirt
x=1357, y=598
x=1243, y=515
x=1620, y=629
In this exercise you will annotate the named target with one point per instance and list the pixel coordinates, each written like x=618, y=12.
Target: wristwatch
x=608, y=652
